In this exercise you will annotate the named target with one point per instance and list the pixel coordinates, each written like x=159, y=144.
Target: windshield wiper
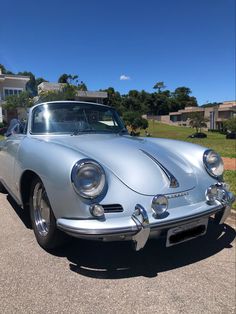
x=77, y=132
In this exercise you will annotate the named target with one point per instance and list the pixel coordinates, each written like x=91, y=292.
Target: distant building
x=89, y=96
x=10, y=85
x=215, y=115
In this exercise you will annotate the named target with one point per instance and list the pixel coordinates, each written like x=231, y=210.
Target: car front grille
x=113, y=208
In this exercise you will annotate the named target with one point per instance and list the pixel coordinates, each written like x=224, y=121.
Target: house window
x=12, y=91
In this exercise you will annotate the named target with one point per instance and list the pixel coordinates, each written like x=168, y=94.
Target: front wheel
x=43, y=219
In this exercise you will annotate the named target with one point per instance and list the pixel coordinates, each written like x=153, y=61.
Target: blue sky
x=181, y=42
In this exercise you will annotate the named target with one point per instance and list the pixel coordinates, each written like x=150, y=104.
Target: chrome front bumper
x=140, y=226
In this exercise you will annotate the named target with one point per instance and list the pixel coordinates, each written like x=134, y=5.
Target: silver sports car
x=77, y=171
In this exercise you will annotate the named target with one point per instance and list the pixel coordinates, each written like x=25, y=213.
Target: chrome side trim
x=173, y=181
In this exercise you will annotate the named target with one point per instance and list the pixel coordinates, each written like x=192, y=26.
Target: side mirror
x=16, y=129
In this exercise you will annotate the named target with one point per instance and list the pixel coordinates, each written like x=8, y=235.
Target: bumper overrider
x=142, y=224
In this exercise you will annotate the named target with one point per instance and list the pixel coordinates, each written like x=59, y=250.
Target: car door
x=9, y=159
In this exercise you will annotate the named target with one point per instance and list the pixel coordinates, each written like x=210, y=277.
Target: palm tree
x=82, y=86
x=197, y=121
x=159, y=86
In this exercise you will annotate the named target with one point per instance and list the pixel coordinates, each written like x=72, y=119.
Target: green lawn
x=230, y=178
x=216, y=141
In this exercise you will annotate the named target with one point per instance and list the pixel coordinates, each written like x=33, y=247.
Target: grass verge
x=218, y=142
x=230, y=178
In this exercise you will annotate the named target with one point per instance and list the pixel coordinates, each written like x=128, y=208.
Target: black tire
x=42, y=218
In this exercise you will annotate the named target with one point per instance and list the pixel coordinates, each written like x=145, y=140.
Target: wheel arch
x=25, y=186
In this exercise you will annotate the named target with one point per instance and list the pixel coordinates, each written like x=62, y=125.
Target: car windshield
x=75, y=118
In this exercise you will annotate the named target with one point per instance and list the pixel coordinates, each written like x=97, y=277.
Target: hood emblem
x=173, y=181
x=169, y=196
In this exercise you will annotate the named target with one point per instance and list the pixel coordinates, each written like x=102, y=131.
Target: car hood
x=139, y=163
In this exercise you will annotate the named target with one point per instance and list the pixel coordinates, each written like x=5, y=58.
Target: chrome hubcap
x=41, y=209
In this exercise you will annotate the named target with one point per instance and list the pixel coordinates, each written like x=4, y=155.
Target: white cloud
x=124, y=77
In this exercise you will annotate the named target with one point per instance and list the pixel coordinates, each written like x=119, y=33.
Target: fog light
x=159, y=204
x=212, y=194
x=97, y=210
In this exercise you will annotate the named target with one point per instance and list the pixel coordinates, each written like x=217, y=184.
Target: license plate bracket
x=186, y=232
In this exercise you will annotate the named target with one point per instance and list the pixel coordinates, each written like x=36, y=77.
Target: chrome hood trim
x=173, y=181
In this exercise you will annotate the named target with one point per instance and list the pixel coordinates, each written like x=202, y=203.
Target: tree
x=82, y=86
x=68, y=92
x=182, y=96
x=40, y=80
x=135, y=101
x=161, y=102
x=159, y=86
x=197, y=121
x=22, y=100
x=134, y=121
x=63, y=78
x=131, y=102
x=68, y=79
x=182, y=91
x=31, y=85
x=4, y=70
x=230, y=124
x=114, y=99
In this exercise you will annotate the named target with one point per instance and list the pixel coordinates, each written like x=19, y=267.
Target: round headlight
x=213, y=163
x=88, y=178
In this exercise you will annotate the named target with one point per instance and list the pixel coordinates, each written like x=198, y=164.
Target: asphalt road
x=89, y=277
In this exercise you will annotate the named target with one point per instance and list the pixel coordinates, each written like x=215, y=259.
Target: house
x=10, y=85
x=215, y=115
x=89, y=96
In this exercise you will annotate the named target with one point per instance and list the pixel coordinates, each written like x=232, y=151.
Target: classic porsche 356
x=74, y=166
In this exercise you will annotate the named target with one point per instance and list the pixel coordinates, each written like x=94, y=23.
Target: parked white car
x=78, y=171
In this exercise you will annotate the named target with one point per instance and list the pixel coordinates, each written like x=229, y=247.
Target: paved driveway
x=89, y=277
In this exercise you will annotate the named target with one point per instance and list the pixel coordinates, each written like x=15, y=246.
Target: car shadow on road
x=107, y=260
x=22, y=214
x=116, y=260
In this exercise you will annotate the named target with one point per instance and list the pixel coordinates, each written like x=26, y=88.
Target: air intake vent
x=113, y=208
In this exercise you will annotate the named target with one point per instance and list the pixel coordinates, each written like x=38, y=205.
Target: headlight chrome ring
x=213, y=163
x=88, y=178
